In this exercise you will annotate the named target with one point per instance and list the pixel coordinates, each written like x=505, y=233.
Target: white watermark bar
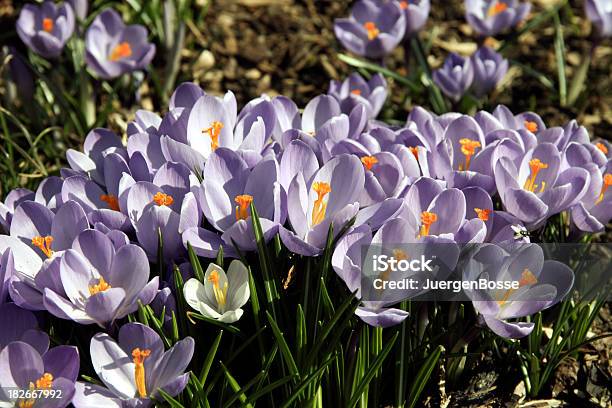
x=501, y=273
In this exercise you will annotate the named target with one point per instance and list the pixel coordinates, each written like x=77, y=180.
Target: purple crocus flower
x=541, y=285
x=600, y=14
x=535, y=187
x=416, y=13
x=489, y=17
x=100, y=283
x=113, y=49
x=346, y=261
x=489, y=69
x=455, y=76
x=7, y=270
x=45, y=29
x=167, y=207
x=439, y=213
x=21, y=325
x=21, y=75
x=194, y=132
x=594, y=210
x=80, y=8
x=355, y=90
x=134, y=368
x=23, y=367
x=11, y=202
x=329, y=198
x=373, y=30
x=91, y=161
x=228, y=189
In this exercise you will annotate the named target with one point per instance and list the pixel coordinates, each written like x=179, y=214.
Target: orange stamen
x=369, y=162
x=602, y=147
x=497, y=8
x=468, y=148
x=527, y=278
x=45, y=382
x=607, y=182
x=163, y=199
x=47, y=24
x=44, y=244
x=404, y=4
x=531, y=126
x=242, y=209
x=122, y=50
x=214, y=131
x=483, y=214
x=535, y=165
x=415, y=152
x=111, y=200
x=372, y=30
x=139, y=357
x=356, y=91
x=319, y=207
x=427, y=218
x=101, y=286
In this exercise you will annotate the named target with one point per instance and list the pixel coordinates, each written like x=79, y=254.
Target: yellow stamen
x=531, y=126
x=483, y=214
x=607, y=182
x=214, y=131
x=468, y=148
x=404, y=4
x=122, y=50
x=318, y=210
x=45, y=382
x=47, y=24
x=427, y=218
x=602, y=147
x=163, y=199
x=101, y=286
x=497, y=8
x=535, y=165
x=44, y=244
x=527, y=278
x=220, y=293
x=139, y=357
x=111, y=200
x=372, y=30
x=242, y=209
x=369, y=162
x=356, y=91
x=399, y=254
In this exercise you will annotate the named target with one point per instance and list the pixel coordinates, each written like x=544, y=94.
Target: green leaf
x=560, y=58
x=371, y=371
x=284, y=347
x=212, y=352
x=579, y=79
x=235, y=386
x=359, y=63
x=173, y=403
x=422, y=376
x=195, y=263
x=224, y=326
x=302, y=386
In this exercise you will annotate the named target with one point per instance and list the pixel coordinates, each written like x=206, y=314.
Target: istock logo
x=385, y=263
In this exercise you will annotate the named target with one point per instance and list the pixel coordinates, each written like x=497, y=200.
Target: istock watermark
x=501, y=273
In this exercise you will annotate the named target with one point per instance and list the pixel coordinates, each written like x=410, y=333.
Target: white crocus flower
x=221, y=296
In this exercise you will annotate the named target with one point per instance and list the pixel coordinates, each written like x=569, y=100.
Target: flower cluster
x=111, y=47
x=80, y=246
x=481, y=73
